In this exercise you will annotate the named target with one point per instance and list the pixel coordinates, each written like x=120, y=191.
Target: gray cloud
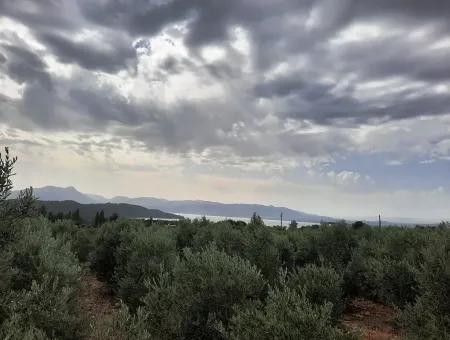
x=112, y=53
x=320, y=102
x=108, y=56
x=23, y=65
x=320, y=83
x=45, y=14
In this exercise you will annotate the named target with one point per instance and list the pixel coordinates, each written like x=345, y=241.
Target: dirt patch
x=95, y=297
x=374, y=320
x=97, y=305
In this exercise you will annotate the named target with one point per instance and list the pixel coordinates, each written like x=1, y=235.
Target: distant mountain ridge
x=52, y=193
x=223, y=209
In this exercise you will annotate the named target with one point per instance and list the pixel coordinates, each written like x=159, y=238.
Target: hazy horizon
x=374, y=217
x=333, y=108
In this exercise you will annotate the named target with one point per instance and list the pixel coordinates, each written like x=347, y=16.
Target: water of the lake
x=244, y=219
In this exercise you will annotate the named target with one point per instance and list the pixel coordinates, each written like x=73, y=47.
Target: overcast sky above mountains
x=336, y=107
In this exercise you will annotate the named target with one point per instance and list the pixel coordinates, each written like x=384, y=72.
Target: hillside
x=88, y=211
x=223, y=209
x=51, y=193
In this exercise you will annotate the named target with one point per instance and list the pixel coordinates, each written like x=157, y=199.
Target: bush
x=103, y=258
x=429, y=317
x=141, y=256
x=83, y=243
x=226, y=236
x=320, y=284
x=396, y=282
x=285, y=250
x=47, y=307
x=373, y=274
x=37, y=254
x=198, y=297
x=335, y=245
x=185, y=234
x=38, y=294
x=287, y=314
x=262, y=250
x=361, y=276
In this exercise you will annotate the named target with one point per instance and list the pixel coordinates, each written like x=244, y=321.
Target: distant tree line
x=75, y=216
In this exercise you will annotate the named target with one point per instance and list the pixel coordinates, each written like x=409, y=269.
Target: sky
x=340, y=108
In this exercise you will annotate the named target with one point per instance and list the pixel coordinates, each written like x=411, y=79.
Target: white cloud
x=349, y=178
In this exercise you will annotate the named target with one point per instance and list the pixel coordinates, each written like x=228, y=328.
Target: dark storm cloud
x=321, y=103
x=23, y=65
x=148, y=17
x=106, y=105
x=397, y=57
x=413, y=10
x=278, y=30
x=113, y=52
x=322, y=90
x=43, y=14
x=92, y=56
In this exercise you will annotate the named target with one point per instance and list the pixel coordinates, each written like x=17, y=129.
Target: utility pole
x=281, y=219
x=379, y=221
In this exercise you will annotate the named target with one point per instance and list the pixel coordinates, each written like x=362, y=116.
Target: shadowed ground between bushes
x=374, y=320
x=97, y=305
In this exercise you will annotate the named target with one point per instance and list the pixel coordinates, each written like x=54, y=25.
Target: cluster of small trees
x=72, y=216
x=75, y=216
x=38, y=271
x=225, y=280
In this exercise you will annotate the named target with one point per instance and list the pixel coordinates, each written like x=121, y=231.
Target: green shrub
x=335, y=245
x=374, y=274
x=285, y=250
x=140, y=256
x=361, y=276
x=37, y=254
x=287, y=314
x=320, y=284
x=262, y=251
x=15, y=329
x=47, y=307
x=103, y=259
x=226, y=236
x=128, y=326
x=396, y=282
x=429, y=317
x=185, y=234
x=39, y=293
x=198, y=297
x=304, y=245
x=83, y=243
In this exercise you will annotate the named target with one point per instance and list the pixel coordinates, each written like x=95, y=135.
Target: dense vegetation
x=89, y=213
x=225, y=280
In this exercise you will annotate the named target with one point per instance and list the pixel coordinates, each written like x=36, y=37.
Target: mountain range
x=196, y=207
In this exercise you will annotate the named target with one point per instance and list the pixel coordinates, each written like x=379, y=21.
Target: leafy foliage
x=320, y=285
x=38, y=294
x=197, y=298
x=141, y=256
x=287, y=314
x=429, y=316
